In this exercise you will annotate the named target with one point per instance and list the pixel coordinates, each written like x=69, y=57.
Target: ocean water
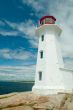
x=9, y=87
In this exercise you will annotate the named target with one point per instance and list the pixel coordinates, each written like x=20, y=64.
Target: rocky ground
x=31, y=101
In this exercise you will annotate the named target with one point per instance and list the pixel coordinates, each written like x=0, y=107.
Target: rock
x=42, y=109
x=42, y=99
x=68, y=103
x=18, y=99
x=19, y=108
x=42, y=106
x=70, y=106
x=7, y=95
x=31, y=101
x=51, y=102
x=56, y=100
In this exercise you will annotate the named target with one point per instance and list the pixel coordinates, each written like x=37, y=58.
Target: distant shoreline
x=17, y=81
x=23, y=81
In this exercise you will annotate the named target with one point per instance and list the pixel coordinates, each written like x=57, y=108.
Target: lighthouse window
x=42, y=37
x=40, y=75
x=47, y=20
x=41, y=54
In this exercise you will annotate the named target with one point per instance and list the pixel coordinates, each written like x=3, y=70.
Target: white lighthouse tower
x=51, y=77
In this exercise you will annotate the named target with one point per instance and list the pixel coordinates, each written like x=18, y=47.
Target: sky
x=18, y=43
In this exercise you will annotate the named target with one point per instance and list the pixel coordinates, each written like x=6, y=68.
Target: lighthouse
x=51, y=77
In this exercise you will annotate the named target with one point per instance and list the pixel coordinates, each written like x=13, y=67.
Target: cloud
x=34, y=4
x=34, y=43
x=63, y=12
x=8, y=33
x=17, y=73
x=25, y=29
x=18, y=54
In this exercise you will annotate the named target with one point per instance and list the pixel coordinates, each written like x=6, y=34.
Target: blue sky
x=18, y=43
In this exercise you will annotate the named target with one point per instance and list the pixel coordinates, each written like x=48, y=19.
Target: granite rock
x=31, y=101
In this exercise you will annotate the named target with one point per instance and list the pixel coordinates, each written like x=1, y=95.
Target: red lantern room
x=47, y=20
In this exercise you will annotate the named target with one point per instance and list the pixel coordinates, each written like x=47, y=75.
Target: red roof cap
x=47, y=17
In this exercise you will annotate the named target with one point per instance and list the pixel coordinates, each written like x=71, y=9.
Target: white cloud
x=34, y=43
x=24, y=69
x=8, y=33
x=34, y=4
x=17, y=72
x=63, y=12
x=18, y=54
x=25, y=29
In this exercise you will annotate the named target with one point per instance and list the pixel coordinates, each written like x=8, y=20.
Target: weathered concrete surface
x=31, y=101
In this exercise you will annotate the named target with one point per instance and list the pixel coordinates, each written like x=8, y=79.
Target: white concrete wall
x=54, y=79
